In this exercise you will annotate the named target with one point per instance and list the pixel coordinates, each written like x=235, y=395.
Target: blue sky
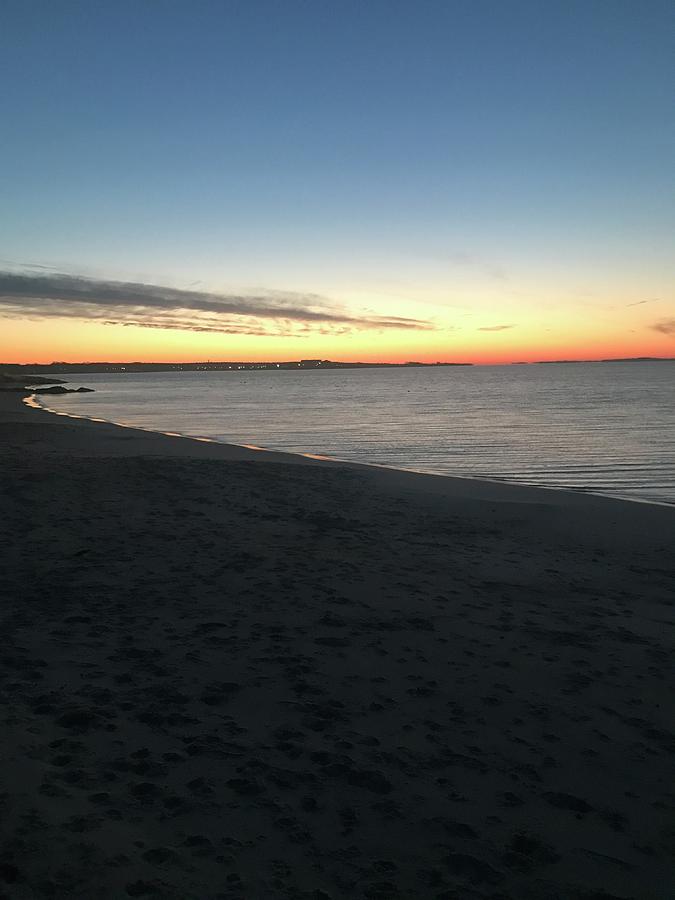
x=373, y=149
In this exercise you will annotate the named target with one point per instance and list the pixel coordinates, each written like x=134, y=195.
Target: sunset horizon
x=374, y=361
x=72, y=318
x=337, y=449
x=382, y=183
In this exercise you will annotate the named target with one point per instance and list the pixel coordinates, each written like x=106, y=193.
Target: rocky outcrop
x=14, y=380
x=58, y=389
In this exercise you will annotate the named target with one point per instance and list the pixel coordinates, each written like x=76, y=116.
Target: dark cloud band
x=29, y=295
x=664, y=326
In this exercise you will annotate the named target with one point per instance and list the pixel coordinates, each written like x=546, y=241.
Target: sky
x=458, y=181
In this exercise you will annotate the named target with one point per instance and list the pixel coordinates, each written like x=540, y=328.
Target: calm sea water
x=608, y=428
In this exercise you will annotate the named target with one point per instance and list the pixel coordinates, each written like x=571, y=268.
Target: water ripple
x=607, y=428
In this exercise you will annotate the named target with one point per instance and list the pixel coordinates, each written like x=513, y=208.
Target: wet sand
x=233, y=674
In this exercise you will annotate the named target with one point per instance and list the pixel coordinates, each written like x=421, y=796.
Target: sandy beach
x=234, y=674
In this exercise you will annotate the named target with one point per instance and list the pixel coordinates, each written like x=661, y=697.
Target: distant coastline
x=625, y=359
x=294, y=365
x=214, y=366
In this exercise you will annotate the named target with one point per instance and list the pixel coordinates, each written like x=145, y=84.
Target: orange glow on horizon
x=507, y=356
x=79, y=341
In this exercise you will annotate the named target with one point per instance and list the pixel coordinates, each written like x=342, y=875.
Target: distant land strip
x=212, y=366
x=208, y=366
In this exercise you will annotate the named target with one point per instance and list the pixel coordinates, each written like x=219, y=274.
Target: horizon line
x=320, y=362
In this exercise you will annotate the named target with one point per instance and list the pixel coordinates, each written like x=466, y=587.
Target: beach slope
x=233, y=674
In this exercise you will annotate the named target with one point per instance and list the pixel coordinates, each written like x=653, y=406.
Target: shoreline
x=248, y=675
x=34, y=402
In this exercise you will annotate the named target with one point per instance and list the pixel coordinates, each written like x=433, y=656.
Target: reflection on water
x=608, y=428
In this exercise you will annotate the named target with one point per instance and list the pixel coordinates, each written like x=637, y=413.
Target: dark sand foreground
x=243, y=675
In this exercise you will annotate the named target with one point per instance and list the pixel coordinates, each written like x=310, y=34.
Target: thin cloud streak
x=496, y=327
x=664, y=326
x=642, y=302
x=156, y=306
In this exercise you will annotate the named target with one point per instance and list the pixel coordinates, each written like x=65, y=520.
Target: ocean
x=607, y=428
